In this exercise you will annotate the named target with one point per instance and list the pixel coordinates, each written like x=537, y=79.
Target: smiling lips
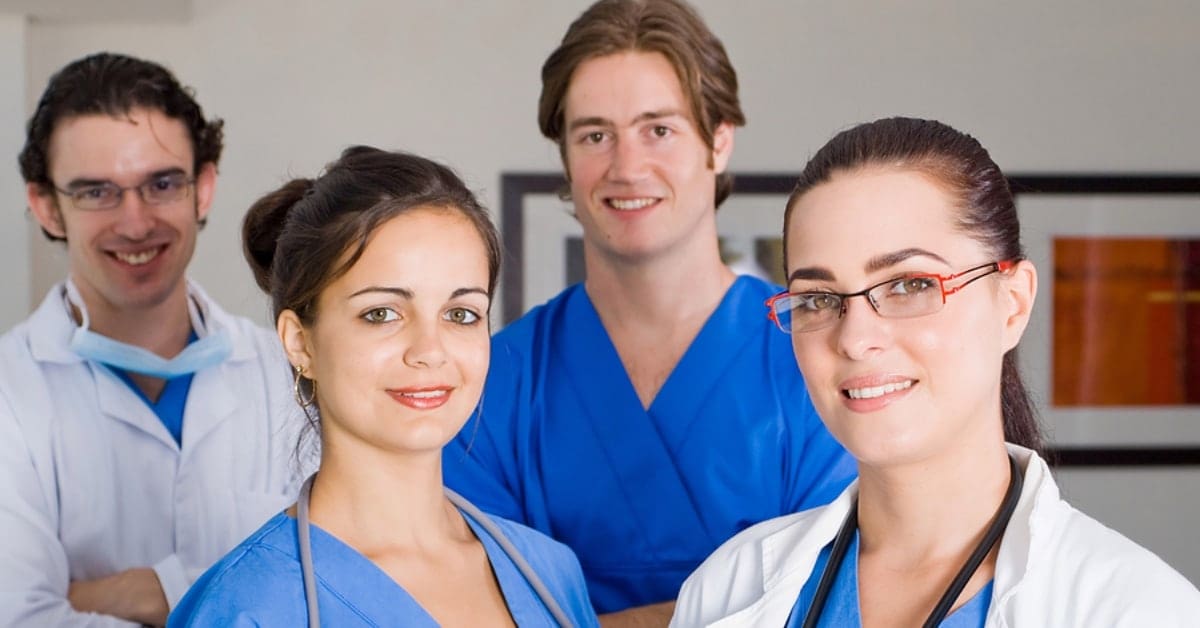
x=422, y=398
x=138, y=258
x=873, y=393
x=630, y=204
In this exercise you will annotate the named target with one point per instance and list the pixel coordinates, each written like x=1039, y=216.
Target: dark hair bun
x=264, y=222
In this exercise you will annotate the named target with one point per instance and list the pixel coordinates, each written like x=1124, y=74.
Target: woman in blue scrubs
x=381, y=274
x=908, y=292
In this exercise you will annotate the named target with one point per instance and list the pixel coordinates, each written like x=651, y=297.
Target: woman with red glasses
x=907, y=296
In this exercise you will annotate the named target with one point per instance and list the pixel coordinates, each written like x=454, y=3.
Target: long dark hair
x=987, y=212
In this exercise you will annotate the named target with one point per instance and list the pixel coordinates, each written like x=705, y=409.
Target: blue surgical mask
x=210, y=350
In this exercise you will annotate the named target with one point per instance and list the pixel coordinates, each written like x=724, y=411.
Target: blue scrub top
x=259, y=583
x=643, y=495
x=171, y=402
x=841, y=607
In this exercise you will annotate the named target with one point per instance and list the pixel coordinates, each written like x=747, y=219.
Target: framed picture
x=1112, y=353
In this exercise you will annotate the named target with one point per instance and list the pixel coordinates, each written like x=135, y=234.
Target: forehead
x=860, y=214
x=126, y=146
x=421, y=247
x=622, y=86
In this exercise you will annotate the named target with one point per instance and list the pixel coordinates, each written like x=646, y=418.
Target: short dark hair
x=113, y=84
x=964, y=169
x=671, y=28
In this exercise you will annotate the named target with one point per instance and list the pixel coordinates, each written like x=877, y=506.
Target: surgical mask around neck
x=209, y=350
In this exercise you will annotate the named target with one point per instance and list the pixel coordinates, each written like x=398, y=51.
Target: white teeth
x=428, y=394
x=877, y=391
x=628, y=204
x=137, y=259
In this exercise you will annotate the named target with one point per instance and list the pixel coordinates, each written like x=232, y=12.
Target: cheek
x=584, y=169
x=472, y=353
x=816, y=362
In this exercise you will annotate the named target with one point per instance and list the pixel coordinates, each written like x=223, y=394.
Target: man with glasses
x=143, y=430
x=650, y=413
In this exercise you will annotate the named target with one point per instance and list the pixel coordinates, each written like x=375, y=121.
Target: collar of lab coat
x=789, y=553
x=51, y=327
x=50, y=330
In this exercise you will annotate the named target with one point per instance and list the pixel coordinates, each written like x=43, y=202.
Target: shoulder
x=533, y=324
x=253, y=581
x=759, y=564
x=745, y=551
x=751, y=287
x=555, y=564
x=1066, y=568
x=1102, y=564
x=539, y=550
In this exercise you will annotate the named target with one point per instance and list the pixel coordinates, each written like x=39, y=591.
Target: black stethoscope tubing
x=308, y=574
x=841, y=543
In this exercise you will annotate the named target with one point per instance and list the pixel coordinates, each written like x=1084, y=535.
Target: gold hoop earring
x=298, y=392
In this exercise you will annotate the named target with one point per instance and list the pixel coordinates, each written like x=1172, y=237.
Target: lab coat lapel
x=788, y=557
x=212, y=398
x=639, y=457
x=120, y=403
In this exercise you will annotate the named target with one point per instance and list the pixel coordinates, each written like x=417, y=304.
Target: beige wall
x=1063, y=86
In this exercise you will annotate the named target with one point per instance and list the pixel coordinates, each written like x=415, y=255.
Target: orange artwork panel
x=1126, y=322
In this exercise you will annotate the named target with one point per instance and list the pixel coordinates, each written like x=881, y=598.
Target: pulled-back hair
x=668, y=27
x=113, y=84
x=303, y=236
x=963, y=168
x=308, y=233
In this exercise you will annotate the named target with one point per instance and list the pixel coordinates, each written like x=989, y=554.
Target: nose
x=136, y=218
x=628, y=161
x=425, y=349
x=861, y=332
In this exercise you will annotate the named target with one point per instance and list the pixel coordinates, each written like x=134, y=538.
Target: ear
x=722, y=146
x=296, y=341
x=1018, y=291
x=206, y=186
x=45, y=209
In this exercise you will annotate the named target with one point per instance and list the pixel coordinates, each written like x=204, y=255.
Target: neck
x=161, y=328
x=370, y=498
x=933, y=510
x=660, y=291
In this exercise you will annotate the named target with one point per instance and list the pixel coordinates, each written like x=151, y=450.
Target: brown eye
x=910, y=286
x=462, y=316
x=380, y=315
x=817, y=301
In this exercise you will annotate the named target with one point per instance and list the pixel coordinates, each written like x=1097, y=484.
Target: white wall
x=14, y=226
x=1105, y=85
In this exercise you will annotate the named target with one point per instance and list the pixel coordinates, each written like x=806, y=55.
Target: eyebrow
x=408, y=294
x=85, y=183
x=875, y=264
x=643, y=117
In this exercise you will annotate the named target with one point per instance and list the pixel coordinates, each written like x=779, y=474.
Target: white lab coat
x=1056, y=567
x=92, y=483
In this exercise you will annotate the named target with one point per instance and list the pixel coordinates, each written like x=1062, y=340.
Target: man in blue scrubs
x=144, y=431
x=650, y=413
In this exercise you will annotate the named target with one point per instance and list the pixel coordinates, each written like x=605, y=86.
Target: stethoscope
x=846, y=534
x=308, y=575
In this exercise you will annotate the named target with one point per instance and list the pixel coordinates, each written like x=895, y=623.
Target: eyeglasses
x=160, y=190
x=904, y=297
